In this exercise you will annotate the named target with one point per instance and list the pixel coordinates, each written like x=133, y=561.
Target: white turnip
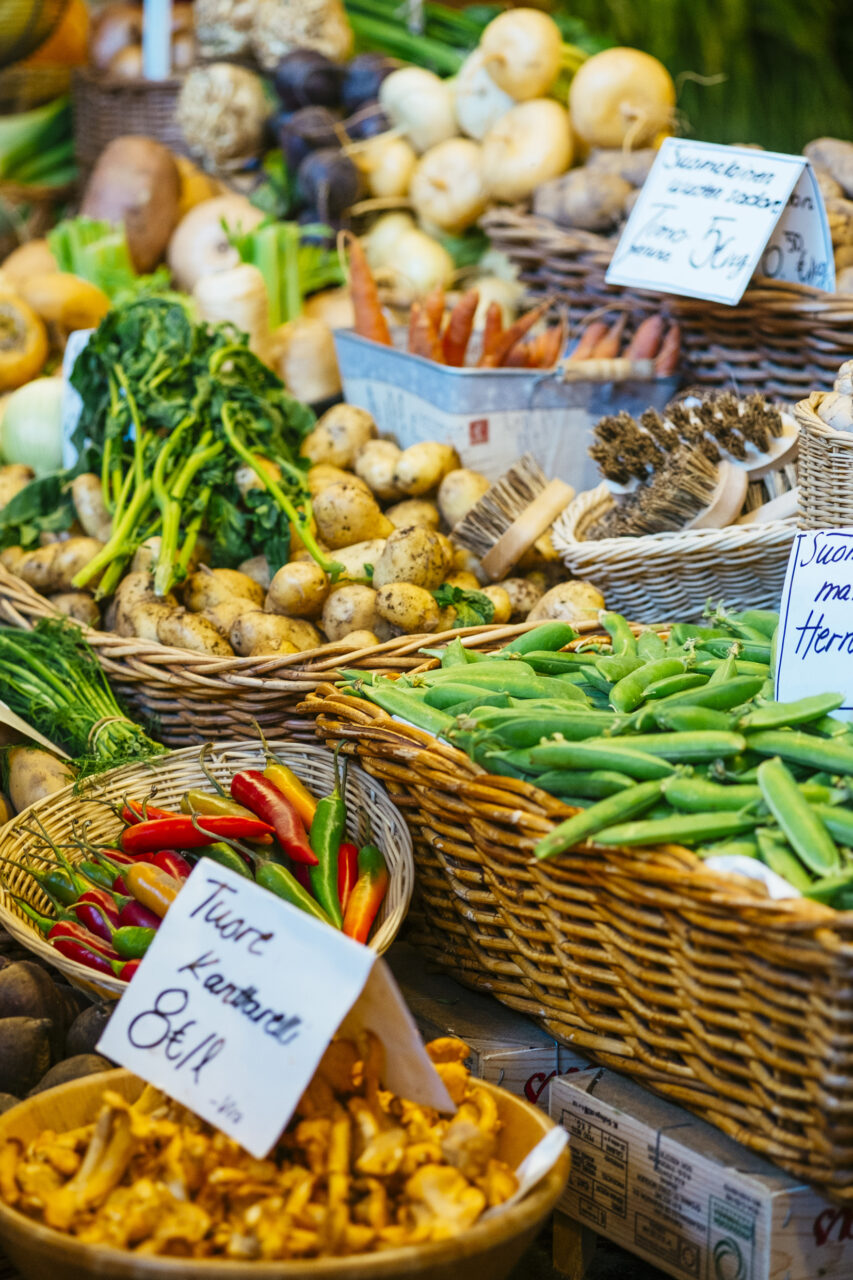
x=522, y=50
x=621, y=97
x=479, y=101
x=447, y=188
x=528, y=145
x=420, y=104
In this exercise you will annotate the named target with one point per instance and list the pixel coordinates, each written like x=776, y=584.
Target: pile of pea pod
x=656, y=738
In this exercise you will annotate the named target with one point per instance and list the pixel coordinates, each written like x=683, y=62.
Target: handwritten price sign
x=814, y=651
x=709, y=216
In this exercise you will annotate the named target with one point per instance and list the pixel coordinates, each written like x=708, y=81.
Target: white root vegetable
x=417, y=512
x=143, y=619
x=351, y=608
x=422, y=466
x=146, y=555
x=419, y=264
x=508, y=294
x=527, y=146
x=34, y=774
x=345, y=514
x=239, y=297
x=302, y=352
x=447, y=188
x=134, y=588
x=338, y=436
x=591, y=201
x=621, y=98
x=388, y=163
x=412, y=555
x=323, y=474
x=569, y=602
x=354, y=561
x=332, y=306
x=522, y=50
x=200, y=246
x=14, y=477
x=375, y=464
x=298, y=590
x=88, y=497
x=458, y=492
x=836, y=407
x=407, y=608
x=380, y=243
x=78, y=605
x=258, y=569
x=478, y=100
x=209, y=587
x=187, y=630
x=523, y=595
x=419, y=103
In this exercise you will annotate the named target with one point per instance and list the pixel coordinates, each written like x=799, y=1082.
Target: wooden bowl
x=489, y=1251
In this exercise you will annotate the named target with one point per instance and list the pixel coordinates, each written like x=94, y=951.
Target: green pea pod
x=687, y=748
x=763, y=620
x=622, y=637
x=838, y=820
x=719, y=671
x=580, y=827
x=399, y=702
x=695, y=719
x=681, y=632
x=835, y=890
x=613, y=753
x=588, y=785
x=527, y=731
x=550, y=636
x=597, y=681
x=560, y=664
x=675, y=684
x=328, y=831
x=698, y=795
x=720, y=697
x=618, y=666
x=801, y=823
x=774, y=651
x=684, y=828
x=628, y=692
x=798, y=747
x=743, y=631
x=779, y=857
x=749, y=650
x=225, y=856
x=779, y=715
x=490, y=700
x=448, y=695
x=650, y=647
x=132, y=941
x=728, y=849
x=283, y=884
x=451, y=655
x=830, y=727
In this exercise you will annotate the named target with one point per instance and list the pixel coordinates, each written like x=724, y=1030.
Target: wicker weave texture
x=696, y=983
x=782, y=339
x=825, y=470
x=673, y=575
x=368, y=809
x=104, y=109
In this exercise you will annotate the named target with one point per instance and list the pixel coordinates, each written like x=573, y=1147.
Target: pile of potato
x=382, y=512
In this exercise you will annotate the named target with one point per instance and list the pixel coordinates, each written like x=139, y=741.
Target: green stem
x=164, y=573
x=193, y=530
x=118, y=539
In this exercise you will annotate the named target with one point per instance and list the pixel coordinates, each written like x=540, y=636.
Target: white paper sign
x=815, y=644
x=236, y=1000
x=708, y=216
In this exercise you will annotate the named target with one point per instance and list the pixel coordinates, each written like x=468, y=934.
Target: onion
x=307, y=78
x=522, y=51
x=31, y=427
x=419, y=264
x=200, y=247
x=529, y=145
x=478, y=100
x=447, y=188
x=388, y=164
x=621, y=96
x=381, y=241
x=329, y=182
x=362, y=77
x=420, y=104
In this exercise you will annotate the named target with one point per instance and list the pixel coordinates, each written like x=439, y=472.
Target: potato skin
x=259, y=632
x=34, y=773
x=14, y=477
x=414, y=512
x=375, y=464
x=323, y=474
x=187, y=630
x=144, y=617
x=407, y=607
x=458, y=492
x=207, y=588
x=298, y=590
x=569, y=602
x=88, y=498
x=145, y=556
x=70, y=557
x=500, y=599
x=258, y=569
x=412, y=555
x=346, y=514
x=523, y=594
x=355, y=558
x=339, y=435
x=223, y=615
x=422, y=466
x=350, y=608
x=36, y=567
x=359, y=639
x=78, y=605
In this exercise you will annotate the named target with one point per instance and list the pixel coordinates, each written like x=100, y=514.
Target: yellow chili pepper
x=295, y=791
x=214, y=805
x=151, y=886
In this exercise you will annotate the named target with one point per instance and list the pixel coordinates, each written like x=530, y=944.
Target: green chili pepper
x=132, y=941
x=580, y=827
x=100, y=874
x=778, y=715
x=328, y=829
x=281, y=882
x=801, y=823
x=622, y=637
x=225, y=856
x=550, y=636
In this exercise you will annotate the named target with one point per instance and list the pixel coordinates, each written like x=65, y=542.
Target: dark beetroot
x=307, y=78
x=307, y=130
x=369, y=121
x=362, y=78
x=329, y=182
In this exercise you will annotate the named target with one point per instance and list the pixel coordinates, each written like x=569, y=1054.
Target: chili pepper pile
x=107, y=907
x=656, y=739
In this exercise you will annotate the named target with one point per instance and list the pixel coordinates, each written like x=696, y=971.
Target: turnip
x=528, y=145
x=447, y=188
x=478, y=100
x=621, y=97
x=388, y=163
x=381, y=241
x=522, y=51
x=420, y=263
x=420, y=104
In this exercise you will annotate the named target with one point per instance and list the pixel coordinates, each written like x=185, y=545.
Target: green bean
x=749, y=650
x=650, y=647
x=449, y=695
x=698, y=795
x=803, y=828
x=551, y=636
x=779, y=857
x=675, y=684
x=628, y=692
x=774, y=651
x=684, y=828
x=621, y=636
x=589, y=784
x=728, y=849
x=695, y=719
x=624, y=804
x=763, y=620
x=798, y=747
x=617, y=666
x=687, y=747
x=778, y=715
x=607, y=754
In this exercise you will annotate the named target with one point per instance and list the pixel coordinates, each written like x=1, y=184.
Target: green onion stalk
x=51, y=678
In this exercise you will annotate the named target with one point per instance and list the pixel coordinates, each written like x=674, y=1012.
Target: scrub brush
x=511, y=515
x=690, y=490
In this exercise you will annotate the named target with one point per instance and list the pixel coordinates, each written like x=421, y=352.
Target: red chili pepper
x=127, y=969
x=120, y=886
x=303, y=876
x=133, y=813
x=94, y=918
x=366, y=898
x=170, y=861
x=257, y=793
x=134, y=915
x=68, y=929
x=181, y=832
x=347, y=871
x=74, y=950
x=113, y=855
x=100, y=898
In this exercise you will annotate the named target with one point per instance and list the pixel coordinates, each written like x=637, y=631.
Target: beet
x=87, y=1028
x=83, y=1064
x=305, y=131
x=369, y=121
x=362, y=78
x=329, y=182
x=307, y=78
x=24, y=1053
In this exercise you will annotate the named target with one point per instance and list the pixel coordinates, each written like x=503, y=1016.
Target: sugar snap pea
x=749, y=650
x=596, y=680
x=622, y=805
x=801, y=823
x=763, y=620
x=551, y=635
x=524, y=731
x=681, y=632
x=719, y=671
x=835, y=890
x=685, y=747
x=675, y=684
x=684, y=828
x=608, y=754
x=838, y=821
x=780, y=857
x=695, y=719
x=617, y=666
x=728, y=849
x=778, y=715
x=650, y=647
x=798, y=747
x=559, y=664
x=628, y=692
x=621, y=636
x=720, y=697
x=591, y=784
x=450, y=695
x=698, y=795
x=830, y=727
x=400, y=703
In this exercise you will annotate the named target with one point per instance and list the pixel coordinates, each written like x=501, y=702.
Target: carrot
x=414, y=316
x=433, y=305
x=550, y=345
x=522, y=356
x=369, y=319
x=424, y=339
x=492, y=331
x=514, y=333
x=666, y=362
x=457, y=334
x=608, y=346
x=591, y=336
x=646, y=341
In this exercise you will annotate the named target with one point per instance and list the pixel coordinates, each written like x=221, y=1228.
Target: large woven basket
x=825, y=469
x=781, y=339
x=104, y=109
x=696, y=983
x=674, y=575
x=368, y=810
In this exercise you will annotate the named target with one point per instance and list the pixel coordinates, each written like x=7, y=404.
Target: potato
x=88, y=497
x=843, y=258
x=258, y=569
x=339, y=435
x=6, y=810
x=412, y=555
x=359, y=640
x=36, y=567
x=187, y=630
x=836, y=156
x=146, y=555
x=569, y=602
x=407, y=607
x=136, y=182
x=346, y=514
x=458, y=492
x=839, y=215
x=143, y=618
x=302, y=353
x=588, y=201
x=844, y=280
x=246, y=478
x=225, y=614
x=298, y=590
x=500, y=599
x=350, y=608
x=299, y=553
x=11, y=557
x=417, y=512
x=78, y=605
x=259, y=632
x=466, y=581
x=375, y=464
x=274, y=648
x=208, y=587
x=464, y=561
x=523, y=596
x=355, y=560
x=70, y=557
x=13, y=478
x=828, y=187
x=632, y=166
x=33, y=774
x=324, y=474
x=422, y=466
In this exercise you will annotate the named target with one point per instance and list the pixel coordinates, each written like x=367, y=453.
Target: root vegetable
x=34, y=774
x=500, y=599
x=477, y=98
x=221, y=112
x=223, y=615
x=24, y=1053
x=36, y=567
x=135, y=588
x=239, y=297
x=381, y=241
x=422, y=466
x=590, y=201
x=31, y=426
x=187, y=630
x=209, y=587
x=569, y=602
x=274, y=648
x=34, y=257
x=258, y=632
x=527, y=146
x=419, y=264
x=522, y=51
x=370, y=320
x=459, y=491
x=350, y=608
x=465, y=561
x=88, y=498
x=14, y=477
x=346, y=514
x=338, y=436
x=303, y=355
x=419, y=103
x=375, y=464
x=412, y=555
x=388, y=164
x=27, y=990
x=414, y=512
x=447, y=188
x=136, y=182
x=298, y=590
x=258, y=569
x=463, y=579
x=332, y=306
x=78, y=605
x=836, y=156
x=633, y=166
x=323, y=474
x=359, y=640
x=407, y=607
x=25, y=345
x=6, y=810
x=65, y=300
x=145, y=556
x=200, y=246
x=280, y=26
x=143, y=619
x=506, y=294
x=621, y=98
x=84, y=1064
x=87, y=1028
x=355, y=560
x=246, y=478
x=523, y=595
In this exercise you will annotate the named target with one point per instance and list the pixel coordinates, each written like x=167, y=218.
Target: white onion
x=522, y=51
x=419, y=264
x=529, y=145
x=388, y=164
x=478, y=100
x=447, y=188
x=31, y=428
x=621, y=96
x=421, y=104
x=381, y=240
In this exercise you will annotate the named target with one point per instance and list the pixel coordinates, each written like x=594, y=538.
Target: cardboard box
x=676, y=1191
x=506, y=1048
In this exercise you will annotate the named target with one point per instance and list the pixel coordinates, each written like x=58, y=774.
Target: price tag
x=236, y=1000
x=709, y=215
x=815, y=643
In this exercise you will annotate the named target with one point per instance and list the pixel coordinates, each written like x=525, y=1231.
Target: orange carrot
x=591, y=336
x=666, y=362
x=514, y=333
x=369, y=319
x=414, y=316
x=607, y=348
x=492, y=331
x=646, y=341
x=458, y=332
x=425, y=341
x=522, y=356
x=550, y=345
x=433, y=305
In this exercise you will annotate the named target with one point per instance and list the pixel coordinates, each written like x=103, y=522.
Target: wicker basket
x=696, y=983
x=369, y=808
x=781, y=340
x=674, y=575
x=825, y=470
x=104, y=109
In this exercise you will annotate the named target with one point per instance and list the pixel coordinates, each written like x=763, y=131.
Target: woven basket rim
x=102, y=80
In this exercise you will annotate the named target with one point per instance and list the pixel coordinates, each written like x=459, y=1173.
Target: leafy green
x=473, y=608
x=97, y=251
x=292, y=268
x=276, y=192
x=466, y=249
x=44, y=506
